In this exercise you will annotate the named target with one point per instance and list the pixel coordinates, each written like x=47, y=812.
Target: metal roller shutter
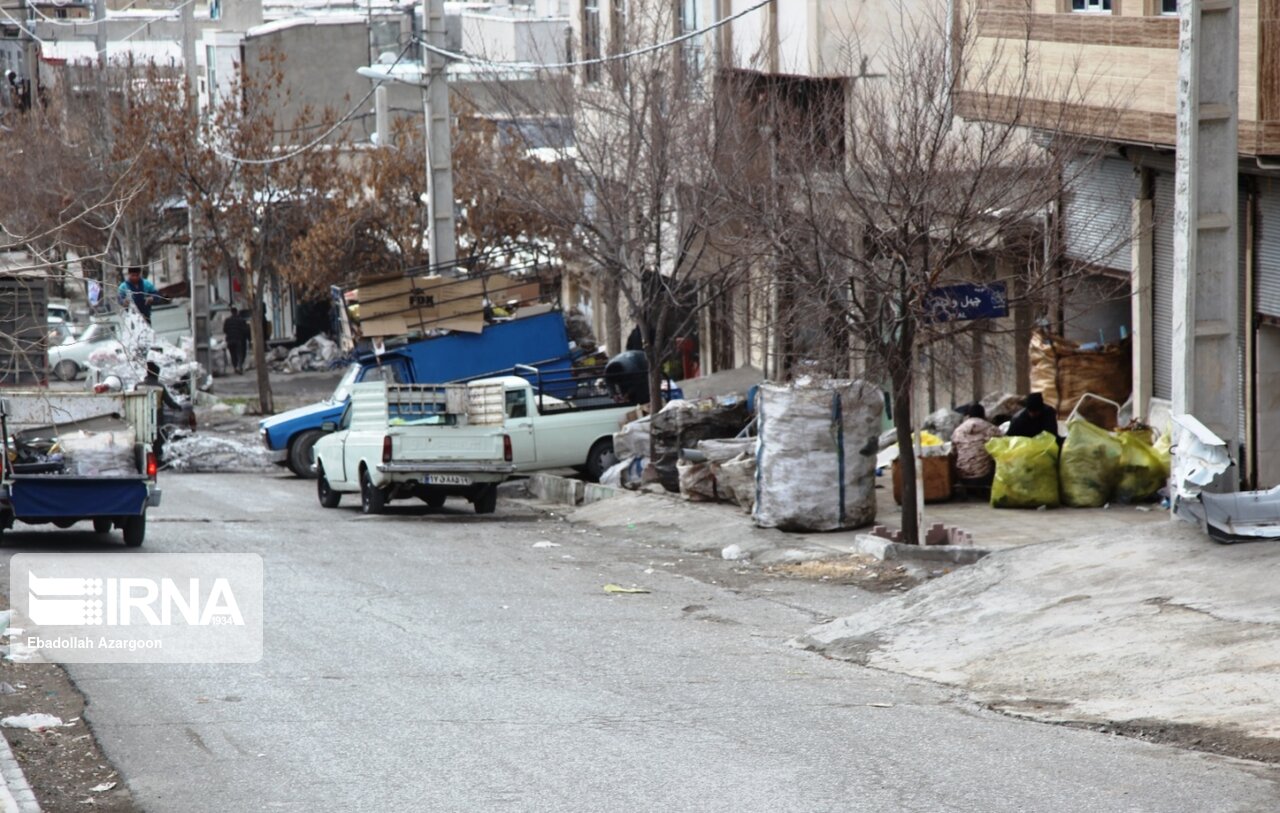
x=1162, y=287
x=1267, y=245
x=1097, y=212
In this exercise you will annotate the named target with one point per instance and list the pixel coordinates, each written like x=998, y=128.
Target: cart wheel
x=135, y=529
x=102, y=525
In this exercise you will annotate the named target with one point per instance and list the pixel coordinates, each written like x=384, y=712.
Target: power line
x=657, y=46
x=75, y=23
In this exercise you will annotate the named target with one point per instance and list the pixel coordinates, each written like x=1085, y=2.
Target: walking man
x=236, y=330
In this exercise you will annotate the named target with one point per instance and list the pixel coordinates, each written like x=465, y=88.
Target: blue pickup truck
x=540, y=341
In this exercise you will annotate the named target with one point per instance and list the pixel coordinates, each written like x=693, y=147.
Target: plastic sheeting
x=816, y=456
x=681, y=424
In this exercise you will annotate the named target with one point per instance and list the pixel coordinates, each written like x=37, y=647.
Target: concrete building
x=1126, y=199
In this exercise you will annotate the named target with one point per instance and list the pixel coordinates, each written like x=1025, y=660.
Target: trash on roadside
x=1200, y=458
x=1144, y=466
x=1026, y=471
x=546, y=544
x=632, y=440
x=733, y=553
x=195, y=453
x=626, y=473
x=32, y=722
x=940, y=425
x=1064, y=371
x=1089, y=468
x=681, y=424
x=617, y=588
x=102, y=788
x=817, y=454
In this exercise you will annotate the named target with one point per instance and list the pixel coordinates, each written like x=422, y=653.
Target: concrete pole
x=197, y=280
x=100, y=31
x=1205, y=265
x=381, y=115
x=441, y=236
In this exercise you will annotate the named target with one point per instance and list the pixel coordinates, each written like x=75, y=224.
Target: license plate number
x=448, y=480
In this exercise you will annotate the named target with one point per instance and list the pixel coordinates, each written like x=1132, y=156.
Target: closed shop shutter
x=1097, y=212
x=1162, y=287
x=1267, y=246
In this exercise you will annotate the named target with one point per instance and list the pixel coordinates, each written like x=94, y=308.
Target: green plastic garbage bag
x=1144, y=466
x=1089, y=468
x=1026, y=471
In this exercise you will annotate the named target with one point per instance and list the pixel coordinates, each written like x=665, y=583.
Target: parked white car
x=437, y=441
x=68, y=361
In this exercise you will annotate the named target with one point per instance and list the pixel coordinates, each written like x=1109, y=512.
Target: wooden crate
x=937, y=479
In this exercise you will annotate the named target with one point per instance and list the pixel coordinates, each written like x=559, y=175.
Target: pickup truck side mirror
x=328, y=426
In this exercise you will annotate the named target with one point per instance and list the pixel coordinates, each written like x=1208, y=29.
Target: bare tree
x=879, y=195
x=643, y=207
x=251, y=191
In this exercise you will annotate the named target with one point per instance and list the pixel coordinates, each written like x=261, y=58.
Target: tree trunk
x=612, y=314
x=900, y=374
x=266, y=404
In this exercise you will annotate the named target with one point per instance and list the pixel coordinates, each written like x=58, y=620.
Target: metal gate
x=1267, y=247
x=1097, y=212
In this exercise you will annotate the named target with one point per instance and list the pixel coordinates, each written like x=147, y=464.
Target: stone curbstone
x=561, y=490
x=886, y=550
x=16, y=795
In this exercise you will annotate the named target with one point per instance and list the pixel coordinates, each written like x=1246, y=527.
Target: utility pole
x=441, y=233
x=1206, y=368
x=197, y=281
x=100, y=31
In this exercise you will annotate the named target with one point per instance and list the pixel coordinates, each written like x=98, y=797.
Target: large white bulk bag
x=816, y=454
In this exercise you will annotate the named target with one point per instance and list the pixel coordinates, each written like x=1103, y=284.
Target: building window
x=687, y=11
x=1096, y=6
x=591, y=39
x=1168, y=6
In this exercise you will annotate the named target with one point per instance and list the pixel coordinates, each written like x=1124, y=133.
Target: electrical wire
x=147, y=25
x=75, y=23
x=657, y=46
x=319, y=139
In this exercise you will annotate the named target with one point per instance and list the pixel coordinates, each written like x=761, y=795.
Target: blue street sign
x=960, y=303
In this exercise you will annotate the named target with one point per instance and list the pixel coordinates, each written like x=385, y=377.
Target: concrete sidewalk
x=1116, y=618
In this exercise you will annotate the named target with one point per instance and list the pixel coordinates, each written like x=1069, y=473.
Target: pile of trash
x=122, y=365
x=317, y=354
x=202, y=453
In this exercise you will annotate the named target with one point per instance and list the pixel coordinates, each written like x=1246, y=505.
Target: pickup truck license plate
x=448, y=480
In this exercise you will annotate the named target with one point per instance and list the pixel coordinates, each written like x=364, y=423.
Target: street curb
x=567, y=491
x=16, y=795
x=886, y=550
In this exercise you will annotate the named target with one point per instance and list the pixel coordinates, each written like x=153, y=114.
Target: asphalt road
x=426, y=661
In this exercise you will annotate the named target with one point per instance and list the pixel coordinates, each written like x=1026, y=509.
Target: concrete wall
x=321, y=57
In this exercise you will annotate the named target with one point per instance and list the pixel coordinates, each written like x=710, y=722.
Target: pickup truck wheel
x=66, y=370
x=135, y=530
x=372, y=500
x=328, y=497
x=300, y=456
x=101, y=525
x=486, y=502
x=599, y=459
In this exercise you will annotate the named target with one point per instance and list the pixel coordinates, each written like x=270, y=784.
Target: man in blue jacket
x=141, y=290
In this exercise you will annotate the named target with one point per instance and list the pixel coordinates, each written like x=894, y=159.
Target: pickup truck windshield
x=343, y=390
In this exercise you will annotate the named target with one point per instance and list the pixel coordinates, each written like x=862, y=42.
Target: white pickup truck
x=440, y=440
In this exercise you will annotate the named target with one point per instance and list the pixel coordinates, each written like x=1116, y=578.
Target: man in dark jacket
x=236, y=329
x=1035, y=417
